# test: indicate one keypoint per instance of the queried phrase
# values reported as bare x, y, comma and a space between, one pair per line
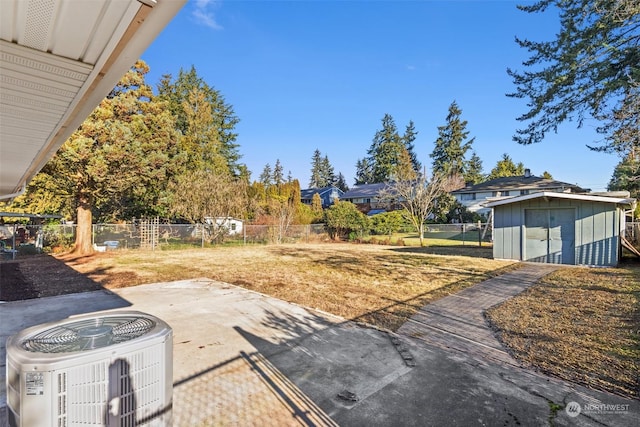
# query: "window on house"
233, 226
468, 196
524, 192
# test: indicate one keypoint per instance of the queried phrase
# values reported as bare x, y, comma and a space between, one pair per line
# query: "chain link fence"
463, 233
151, 235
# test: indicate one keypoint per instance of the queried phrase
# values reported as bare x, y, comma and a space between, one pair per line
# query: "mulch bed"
40, 276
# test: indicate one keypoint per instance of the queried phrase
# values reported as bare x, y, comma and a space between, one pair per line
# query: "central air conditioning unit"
102, 369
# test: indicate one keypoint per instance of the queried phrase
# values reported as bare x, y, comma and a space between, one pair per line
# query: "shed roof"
554, 195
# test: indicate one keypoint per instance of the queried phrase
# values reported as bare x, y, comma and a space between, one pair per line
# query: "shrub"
343, 219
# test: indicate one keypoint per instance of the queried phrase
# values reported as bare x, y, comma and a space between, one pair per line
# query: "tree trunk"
421, 231
84, 244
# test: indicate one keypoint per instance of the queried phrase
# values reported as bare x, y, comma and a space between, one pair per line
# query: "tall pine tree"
626, 176
266, 177
316, 170
386, 153
278, 173
119, 162
328, 173
452, 145
322, 172
408, 139
506, 167
188, 95
364, 171
385, 150
474, 173
341, 183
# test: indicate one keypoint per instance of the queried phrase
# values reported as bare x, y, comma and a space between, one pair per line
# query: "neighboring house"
366, 197
560, 228
230, 225
474, 197
328, 195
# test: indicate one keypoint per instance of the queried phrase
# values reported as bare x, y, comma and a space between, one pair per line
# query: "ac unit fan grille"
88, 334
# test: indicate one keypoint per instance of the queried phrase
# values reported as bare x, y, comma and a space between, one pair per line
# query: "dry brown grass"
580, 324
380, 285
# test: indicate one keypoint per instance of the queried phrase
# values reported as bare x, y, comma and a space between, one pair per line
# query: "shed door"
550, 235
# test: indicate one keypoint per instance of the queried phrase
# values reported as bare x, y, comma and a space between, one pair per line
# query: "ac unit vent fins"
88, 334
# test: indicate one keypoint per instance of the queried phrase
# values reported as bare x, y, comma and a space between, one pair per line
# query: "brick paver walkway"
457, 321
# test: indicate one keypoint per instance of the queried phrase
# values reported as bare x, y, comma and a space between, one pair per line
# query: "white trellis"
149, 233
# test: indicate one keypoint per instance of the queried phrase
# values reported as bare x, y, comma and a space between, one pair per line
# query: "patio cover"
58, 60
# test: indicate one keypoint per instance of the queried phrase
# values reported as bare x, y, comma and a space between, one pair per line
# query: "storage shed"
560, 228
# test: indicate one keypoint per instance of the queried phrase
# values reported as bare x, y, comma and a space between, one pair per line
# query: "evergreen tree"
506, 167
341, 183
316, 204
328, 174
408, 139
626, 176
474, 170
187, 96
622, 125
119, 162
316, 170
452, 145
546, 175
364, 171
588, 70
387, 153
405, 170
322, 172
43, 196
201, 143
266, 177
385, 150
278, 173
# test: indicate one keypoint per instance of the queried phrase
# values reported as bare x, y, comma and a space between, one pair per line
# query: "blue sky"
306, 75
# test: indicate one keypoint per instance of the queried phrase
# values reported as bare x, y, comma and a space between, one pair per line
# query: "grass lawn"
580, 324
434, 238
380, 285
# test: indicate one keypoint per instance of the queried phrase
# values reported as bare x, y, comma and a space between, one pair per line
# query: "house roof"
365, 190
629, 202
530, 182
309, 192
59, 60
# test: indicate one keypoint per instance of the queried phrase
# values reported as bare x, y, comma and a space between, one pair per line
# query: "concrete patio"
243, 358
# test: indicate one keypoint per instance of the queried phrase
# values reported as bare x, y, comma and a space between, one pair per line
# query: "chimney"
527, 173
